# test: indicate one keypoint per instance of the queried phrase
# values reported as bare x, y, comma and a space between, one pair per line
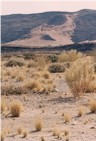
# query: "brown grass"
38, 124
56, 132
42, 138
19, 130
67, 118
66, 132
68, 56
3, 106
92, 106
80, 112
34, 85
2, 136
16, 108
80, 77
25, 133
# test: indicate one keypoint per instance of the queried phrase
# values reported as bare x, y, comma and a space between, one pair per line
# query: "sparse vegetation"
68, 56
67, 118
92, 106
2, 136
13, 63
80, 77
56, 68
38, 124
81, 111
66, 132
56, 132
16, 108
25, 133
42, 138
19, 130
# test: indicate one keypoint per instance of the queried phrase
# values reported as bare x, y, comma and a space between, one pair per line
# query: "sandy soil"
54, 105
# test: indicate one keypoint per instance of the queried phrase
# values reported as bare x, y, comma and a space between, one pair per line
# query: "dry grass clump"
38, 124
9, 89
71, 55
92, 106
25, 133
3, 106
42, 138
80, 112
16, 108
66, 132
34, 85
56, 132
28, 56
19, 130
67, 118
13, 63
80, 77
56, 68
2, 136
46, 75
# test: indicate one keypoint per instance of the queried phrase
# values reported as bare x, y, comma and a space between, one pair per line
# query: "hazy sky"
36, 6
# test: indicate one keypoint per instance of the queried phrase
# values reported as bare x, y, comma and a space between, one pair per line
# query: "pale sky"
38, 6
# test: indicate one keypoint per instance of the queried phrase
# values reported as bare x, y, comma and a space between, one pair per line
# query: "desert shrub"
81, 111
67, 118
11, 90
19, 130
68, 56
56, 68
92, 106
16, 108
94, 66
46, 75
3, 106
34, 85
25, 133
28, 56
42, 138
38, 124
13, 63
2, 136
56, 132
31, 65
53, 58
66, 132
80, 77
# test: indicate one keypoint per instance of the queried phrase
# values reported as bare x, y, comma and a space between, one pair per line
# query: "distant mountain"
49, 28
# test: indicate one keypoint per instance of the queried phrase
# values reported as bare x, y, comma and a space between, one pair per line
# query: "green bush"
53, 58
28, 56
13, 63
56, 68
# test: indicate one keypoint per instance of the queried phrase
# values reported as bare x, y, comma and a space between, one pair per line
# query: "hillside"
48, 29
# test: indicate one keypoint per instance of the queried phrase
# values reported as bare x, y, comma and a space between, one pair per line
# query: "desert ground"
48, 97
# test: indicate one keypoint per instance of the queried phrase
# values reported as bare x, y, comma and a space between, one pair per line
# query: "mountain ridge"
59, 28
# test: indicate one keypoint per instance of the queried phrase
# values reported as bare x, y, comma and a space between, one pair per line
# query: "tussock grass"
38, 124
67, 118
25, 133
3, 106
34, 85
92, 106
16, 108
19, 130
80, 112
42, 138
56, 132
66, 132
80, 77
68, 56
2, 136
